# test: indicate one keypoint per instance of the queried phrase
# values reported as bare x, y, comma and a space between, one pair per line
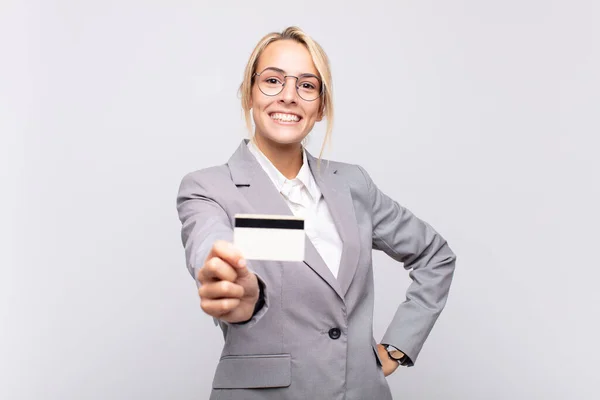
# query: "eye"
307, 86
273, 81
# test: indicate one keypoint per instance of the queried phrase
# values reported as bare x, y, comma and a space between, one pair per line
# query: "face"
285, 118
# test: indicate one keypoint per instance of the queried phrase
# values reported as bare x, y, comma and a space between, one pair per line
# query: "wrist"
260, 297
258, 301
396, 355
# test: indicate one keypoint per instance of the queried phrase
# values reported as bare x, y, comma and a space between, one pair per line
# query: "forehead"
290, 56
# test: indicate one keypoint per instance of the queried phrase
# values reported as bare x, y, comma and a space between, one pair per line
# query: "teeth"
285, 117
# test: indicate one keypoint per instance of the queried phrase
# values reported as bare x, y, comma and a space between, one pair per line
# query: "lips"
283, 117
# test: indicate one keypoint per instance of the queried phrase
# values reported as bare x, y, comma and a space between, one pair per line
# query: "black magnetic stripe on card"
269, 223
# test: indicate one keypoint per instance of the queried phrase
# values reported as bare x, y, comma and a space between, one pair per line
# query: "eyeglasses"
272, 80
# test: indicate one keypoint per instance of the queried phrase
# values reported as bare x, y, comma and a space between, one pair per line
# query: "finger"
228, 253
215, 269
233, 256
218, 307
221, 290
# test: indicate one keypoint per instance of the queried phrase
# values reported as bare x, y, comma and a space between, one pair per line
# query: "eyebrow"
284, 73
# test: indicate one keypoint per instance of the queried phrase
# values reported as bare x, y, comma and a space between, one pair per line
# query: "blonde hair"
320, 60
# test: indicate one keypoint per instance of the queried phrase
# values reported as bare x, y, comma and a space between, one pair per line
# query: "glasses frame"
285, 81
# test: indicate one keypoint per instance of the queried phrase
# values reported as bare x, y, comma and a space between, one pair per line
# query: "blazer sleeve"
204, 221
407, 239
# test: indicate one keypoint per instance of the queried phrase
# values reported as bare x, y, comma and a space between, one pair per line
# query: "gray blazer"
313, 338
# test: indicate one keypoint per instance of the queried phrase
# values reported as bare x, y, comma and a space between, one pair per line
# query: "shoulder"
352, 172
210, 179
354, 175
207, 175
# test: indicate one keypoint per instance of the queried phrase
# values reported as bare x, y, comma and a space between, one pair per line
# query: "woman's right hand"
228, 290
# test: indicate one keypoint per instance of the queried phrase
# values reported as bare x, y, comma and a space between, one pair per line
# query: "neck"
287, 158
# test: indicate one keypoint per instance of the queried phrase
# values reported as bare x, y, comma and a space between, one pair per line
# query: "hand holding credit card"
269, 237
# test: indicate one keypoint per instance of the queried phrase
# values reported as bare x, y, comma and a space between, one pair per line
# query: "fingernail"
242, 263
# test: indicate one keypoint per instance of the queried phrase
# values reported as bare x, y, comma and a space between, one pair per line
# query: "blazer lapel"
258, 189
339, 201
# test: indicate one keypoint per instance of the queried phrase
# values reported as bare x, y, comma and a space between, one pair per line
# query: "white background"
479, 116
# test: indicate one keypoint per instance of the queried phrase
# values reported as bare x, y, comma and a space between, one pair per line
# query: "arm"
409, 240
204, 222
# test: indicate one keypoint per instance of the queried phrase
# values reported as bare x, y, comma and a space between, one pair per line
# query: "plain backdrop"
479, 116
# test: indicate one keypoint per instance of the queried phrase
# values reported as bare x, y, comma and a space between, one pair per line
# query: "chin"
283, 136
285, 139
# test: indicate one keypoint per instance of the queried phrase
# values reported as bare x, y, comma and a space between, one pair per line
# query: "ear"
321, 113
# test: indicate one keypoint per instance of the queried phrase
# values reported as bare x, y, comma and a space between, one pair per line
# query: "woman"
304, 330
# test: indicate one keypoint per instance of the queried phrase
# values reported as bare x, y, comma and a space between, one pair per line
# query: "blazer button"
335, 333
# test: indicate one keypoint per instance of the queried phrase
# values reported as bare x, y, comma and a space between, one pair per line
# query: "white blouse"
305, 199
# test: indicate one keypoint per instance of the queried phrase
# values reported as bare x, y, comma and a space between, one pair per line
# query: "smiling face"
285, 118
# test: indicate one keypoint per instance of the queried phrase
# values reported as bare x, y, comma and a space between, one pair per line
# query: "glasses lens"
270, 82
309, 87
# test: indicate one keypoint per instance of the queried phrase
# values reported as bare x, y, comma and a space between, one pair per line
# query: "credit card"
269, 237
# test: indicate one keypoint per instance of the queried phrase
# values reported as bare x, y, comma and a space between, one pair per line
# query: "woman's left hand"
388, 365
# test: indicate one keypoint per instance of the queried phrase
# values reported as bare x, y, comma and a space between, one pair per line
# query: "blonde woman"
304, 330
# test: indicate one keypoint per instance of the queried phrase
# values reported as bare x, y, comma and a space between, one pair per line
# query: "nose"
289, 95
